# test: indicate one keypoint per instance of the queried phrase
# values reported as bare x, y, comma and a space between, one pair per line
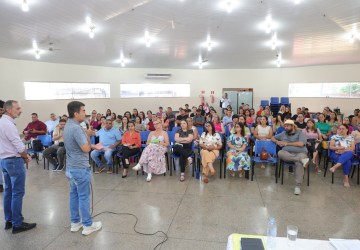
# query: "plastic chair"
225, 158
274, 100
284, 100
270, 147
264, 103
290, 164
46, 141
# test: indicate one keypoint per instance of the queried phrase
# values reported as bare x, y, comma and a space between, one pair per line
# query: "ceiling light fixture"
122, 60
25, 6
278, 60
91, 27
209, 43
268, 24
36, 50
228, 5
297, 1
148, 39
353, 35
274, 41
200, 62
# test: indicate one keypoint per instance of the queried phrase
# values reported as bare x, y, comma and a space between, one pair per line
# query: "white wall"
265, 82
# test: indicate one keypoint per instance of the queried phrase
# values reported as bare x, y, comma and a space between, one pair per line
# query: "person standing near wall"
225, 102
77, 146
12, 157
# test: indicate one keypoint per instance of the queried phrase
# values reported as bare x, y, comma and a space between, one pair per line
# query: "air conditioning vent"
157, 76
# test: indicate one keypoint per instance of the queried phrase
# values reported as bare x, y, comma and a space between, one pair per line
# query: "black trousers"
184, 153
127, 153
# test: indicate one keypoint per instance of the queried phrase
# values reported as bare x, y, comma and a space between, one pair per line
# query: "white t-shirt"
225, 102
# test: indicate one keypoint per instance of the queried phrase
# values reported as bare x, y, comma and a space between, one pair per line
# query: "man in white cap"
293, 149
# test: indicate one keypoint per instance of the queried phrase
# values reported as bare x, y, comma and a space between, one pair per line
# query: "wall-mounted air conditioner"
157, 76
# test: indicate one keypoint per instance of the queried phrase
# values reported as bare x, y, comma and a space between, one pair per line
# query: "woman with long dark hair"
210, 143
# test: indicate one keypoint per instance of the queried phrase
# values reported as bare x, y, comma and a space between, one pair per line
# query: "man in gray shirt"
77, 145
293, 143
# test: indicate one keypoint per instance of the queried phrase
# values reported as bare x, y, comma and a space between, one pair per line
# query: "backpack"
37, 145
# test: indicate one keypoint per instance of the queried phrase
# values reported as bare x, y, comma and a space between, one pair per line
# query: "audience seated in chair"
313, 140
52, 123
57, 148
153, 156
210, 143
183, 146
109, 139
237, 156
131, 144
33, 129
293, 149
342, 148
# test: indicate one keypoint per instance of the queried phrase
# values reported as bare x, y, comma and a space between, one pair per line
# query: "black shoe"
23, 227
8, 225
1, 188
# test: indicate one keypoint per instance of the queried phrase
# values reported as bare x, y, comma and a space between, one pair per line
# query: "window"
62, 90
333, 90
154, 90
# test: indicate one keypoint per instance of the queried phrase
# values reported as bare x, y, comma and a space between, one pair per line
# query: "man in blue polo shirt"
109, 138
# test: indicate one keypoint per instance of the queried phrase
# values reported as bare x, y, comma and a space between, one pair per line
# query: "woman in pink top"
313, 137
249, 119
219, 127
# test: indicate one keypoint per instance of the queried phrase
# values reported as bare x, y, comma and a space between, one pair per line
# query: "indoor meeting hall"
180, 124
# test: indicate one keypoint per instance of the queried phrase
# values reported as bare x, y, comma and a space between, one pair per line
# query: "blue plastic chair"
264, 103
284, 100
225, 158
271, 149
46, 141
274, 100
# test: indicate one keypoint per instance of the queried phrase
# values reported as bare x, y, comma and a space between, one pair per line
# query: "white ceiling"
311, 33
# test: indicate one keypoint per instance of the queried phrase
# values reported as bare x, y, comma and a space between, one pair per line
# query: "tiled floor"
193, 214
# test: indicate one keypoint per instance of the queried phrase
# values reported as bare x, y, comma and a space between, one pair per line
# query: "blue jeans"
79, 179
95, 155
14, 175
1, 175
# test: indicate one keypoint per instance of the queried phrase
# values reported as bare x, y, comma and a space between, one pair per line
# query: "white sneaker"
137, 167
76, 227
148, 178
297, 190
305, 162
93, 228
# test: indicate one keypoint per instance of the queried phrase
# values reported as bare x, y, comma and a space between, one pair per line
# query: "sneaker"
1, 188
8, 225
148, 178
305, 162
23, 227
137, 167
93, 228
76, 227
297, 190
55, 167
60, 168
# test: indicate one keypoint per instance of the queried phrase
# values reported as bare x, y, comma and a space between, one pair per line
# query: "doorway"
237, 96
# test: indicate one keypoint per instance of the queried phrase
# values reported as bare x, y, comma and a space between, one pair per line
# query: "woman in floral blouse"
237, 157
210, 143
342, 146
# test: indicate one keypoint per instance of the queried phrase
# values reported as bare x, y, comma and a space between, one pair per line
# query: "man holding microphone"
13, 155
78, 172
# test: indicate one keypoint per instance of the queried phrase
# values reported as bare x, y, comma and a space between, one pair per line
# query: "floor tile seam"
212, 241
262, 199
65, 229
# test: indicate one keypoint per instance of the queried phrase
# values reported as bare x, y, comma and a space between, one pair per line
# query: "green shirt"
324, 127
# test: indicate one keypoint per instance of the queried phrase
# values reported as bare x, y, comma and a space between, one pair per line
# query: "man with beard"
293, 149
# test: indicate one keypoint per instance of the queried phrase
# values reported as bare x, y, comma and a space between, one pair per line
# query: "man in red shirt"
34, 128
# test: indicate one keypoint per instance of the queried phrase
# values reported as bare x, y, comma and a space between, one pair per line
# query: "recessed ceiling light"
25, 6
90, 27
228, 5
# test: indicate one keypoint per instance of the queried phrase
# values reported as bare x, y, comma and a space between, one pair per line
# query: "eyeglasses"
156, 123
237, 127
341, 128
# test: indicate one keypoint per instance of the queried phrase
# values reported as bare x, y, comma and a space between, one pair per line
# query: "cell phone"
251, 244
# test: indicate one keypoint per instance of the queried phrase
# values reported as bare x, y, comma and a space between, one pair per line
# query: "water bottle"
271, 233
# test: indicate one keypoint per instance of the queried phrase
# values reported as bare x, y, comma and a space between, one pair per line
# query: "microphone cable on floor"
129, 214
